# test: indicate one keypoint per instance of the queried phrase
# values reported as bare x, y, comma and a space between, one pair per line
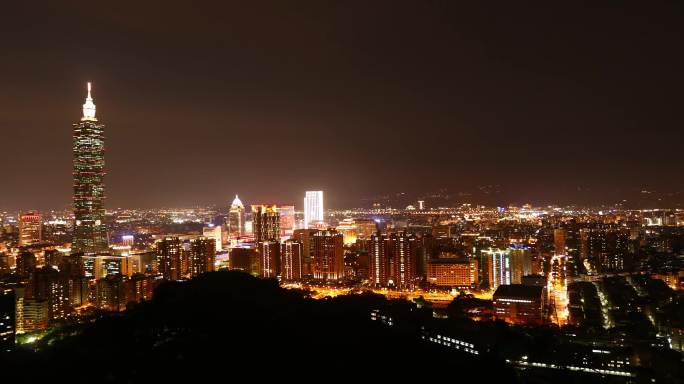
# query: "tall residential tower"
90, 234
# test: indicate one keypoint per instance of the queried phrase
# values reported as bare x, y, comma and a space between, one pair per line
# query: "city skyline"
486, 192
437, 92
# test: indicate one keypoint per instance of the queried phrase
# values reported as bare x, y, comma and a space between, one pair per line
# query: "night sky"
574, 103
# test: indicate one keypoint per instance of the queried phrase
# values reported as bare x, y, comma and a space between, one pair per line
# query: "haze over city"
318, 191
570, 103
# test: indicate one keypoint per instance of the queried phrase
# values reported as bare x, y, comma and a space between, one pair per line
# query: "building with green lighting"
90, 233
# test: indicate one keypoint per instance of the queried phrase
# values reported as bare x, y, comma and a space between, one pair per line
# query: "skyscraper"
90, 235
236, 219
265, 223
313, 208
30, 228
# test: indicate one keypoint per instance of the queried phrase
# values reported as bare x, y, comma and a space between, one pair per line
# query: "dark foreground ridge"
230, 325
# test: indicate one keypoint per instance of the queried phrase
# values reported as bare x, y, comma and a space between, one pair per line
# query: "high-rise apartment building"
169, 258
90, 234
291, 260
202, 255
328, 257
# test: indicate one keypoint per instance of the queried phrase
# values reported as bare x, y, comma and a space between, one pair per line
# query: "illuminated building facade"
169, 258
236, 219
31, 314
30, 228
291, 260
269, 259
519, 304
90, 234
287, 220
521, 262
379, 260
313, 209
403, 253
202, 255
214, 232
328, 258
498, 267
305, 236
265, 223
454, 273
559, 236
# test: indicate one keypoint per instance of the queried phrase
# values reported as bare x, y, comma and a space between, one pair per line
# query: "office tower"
90, 234
236, 219
519, 304
265, 223
202, 256
305, 236
169, 258
106, 265
379, 260
7, 320
313, 209
328, 257
453, 273
287, 220
291, 259
403, 253
30, 228
268, 258
26, 263
559, 235
521, 262
498, 267
214, 232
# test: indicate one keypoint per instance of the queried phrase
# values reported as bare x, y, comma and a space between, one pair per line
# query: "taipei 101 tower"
90, 234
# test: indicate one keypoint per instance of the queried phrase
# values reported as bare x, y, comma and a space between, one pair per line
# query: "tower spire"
89, 107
